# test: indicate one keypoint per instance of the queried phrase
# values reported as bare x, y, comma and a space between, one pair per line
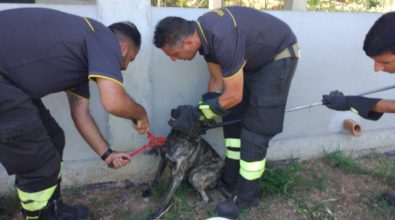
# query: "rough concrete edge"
280, 151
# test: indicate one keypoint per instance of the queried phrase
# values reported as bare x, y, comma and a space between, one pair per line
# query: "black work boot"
57, 210
389, 197
66, 212
231, 208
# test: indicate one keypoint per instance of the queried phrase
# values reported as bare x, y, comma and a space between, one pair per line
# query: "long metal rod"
320, 103
305, 106
225, 123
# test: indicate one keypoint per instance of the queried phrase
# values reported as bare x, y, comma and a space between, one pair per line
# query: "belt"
292, 51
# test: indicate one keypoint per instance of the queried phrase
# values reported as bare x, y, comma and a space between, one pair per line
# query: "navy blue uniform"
264, 47
238, 37
45, 51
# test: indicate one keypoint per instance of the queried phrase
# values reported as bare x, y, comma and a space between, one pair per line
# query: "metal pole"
305, 106
320, 103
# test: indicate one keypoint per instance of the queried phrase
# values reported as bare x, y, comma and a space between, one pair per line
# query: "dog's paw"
153, 217
147, 195
204, 197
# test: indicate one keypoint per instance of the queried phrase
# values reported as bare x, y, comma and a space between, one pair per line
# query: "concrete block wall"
332, 58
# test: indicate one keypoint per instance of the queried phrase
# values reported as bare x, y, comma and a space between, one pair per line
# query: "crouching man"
46, 51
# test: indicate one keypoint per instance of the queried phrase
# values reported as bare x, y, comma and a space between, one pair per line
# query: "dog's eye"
175, 113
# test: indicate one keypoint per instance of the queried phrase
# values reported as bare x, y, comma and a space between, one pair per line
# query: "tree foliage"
312, 5
351, 5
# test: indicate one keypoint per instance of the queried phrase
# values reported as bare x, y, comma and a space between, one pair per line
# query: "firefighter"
252, 57
45, 51
379, 45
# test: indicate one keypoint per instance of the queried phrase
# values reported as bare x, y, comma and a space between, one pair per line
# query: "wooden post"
213, 4
295, 5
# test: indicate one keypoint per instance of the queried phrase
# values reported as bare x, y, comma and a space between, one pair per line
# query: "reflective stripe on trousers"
35, 201
252, 170
232, 148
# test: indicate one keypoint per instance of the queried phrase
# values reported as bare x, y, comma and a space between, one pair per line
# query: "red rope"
152, 142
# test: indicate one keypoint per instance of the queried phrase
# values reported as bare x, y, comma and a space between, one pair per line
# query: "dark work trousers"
31, 142
262, 110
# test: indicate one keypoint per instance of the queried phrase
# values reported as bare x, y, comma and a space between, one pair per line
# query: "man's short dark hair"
127, 30
171, 31
381, 36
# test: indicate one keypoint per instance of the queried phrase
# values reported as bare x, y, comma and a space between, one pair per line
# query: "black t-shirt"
45, 51
240, 37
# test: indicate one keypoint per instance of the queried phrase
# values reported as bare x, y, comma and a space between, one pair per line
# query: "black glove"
210, 108
206, 99
185, 119
209, 95
336, 100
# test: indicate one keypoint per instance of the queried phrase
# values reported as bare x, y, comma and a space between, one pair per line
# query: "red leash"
152, 142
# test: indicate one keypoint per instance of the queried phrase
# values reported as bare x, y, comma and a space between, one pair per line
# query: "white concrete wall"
332, 58
82, 165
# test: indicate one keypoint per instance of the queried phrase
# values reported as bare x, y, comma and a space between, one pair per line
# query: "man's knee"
58, 139
253, 146
265, 115
29, 153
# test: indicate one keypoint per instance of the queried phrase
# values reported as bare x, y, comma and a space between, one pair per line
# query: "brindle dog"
187, 154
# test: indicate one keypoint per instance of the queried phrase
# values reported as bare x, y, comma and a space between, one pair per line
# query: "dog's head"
181, 118
184, 122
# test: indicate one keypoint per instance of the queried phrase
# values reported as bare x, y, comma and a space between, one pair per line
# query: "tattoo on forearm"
75, 100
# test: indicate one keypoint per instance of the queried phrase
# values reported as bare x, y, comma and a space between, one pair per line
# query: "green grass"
344, 162
9, 205
284, 180
281, 180
125, 215
289, 183
182, 203
376, 205
314, 210
308, 190
386, 171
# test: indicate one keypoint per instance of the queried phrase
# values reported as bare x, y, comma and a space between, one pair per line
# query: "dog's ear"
175, 113
181, 109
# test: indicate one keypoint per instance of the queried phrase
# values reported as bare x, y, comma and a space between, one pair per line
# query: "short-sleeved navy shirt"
45, 51
240, 37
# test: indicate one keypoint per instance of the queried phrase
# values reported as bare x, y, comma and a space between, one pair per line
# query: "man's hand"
141, 126
209, 108
117, 159
360, 105
336, 101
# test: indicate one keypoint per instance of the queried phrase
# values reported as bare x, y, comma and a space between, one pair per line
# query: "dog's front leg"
177, 177
161, 167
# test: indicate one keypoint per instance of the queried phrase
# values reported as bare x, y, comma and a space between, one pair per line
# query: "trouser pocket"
265, 116
28, 152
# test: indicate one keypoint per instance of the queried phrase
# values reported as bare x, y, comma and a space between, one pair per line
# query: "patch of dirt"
324, 193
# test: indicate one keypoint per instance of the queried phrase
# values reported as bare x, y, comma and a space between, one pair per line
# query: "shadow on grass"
9, 206
377, 205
